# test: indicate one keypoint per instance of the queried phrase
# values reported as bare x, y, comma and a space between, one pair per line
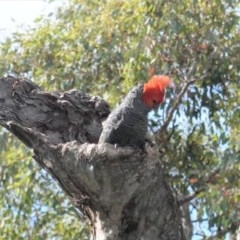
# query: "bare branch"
175, 105
222, 232
188, 79
189, 197
210, 178
123, 193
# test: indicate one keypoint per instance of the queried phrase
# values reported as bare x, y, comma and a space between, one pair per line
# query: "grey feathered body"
127, 124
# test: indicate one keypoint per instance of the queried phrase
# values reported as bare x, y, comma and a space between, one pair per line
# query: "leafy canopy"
106, 47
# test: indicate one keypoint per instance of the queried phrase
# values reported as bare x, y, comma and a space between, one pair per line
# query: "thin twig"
175, 105
207, 180
185, 75
189, 197
220, 233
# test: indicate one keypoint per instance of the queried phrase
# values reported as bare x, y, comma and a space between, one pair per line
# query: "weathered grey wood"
122, 192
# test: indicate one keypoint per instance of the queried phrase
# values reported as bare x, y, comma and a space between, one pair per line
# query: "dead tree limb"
122, 193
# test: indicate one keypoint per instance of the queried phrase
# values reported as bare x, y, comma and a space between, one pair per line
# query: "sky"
14, 13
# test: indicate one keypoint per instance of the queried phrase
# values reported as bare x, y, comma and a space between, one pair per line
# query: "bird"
127, 124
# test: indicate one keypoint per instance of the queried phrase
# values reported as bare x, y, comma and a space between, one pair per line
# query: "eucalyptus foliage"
106, 47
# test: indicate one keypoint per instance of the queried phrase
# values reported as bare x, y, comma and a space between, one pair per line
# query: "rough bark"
122, 192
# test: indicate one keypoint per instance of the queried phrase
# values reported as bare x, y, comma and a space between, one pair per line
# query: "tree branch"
175, 105
188, 79
222, 232
122, 193
189, 197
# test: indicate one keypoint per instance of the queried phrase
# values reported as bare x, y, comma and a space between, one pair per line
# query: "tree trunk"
122, 192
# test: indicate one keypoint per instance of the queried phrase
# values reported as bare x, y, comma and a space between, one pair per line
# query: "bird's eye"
154, 101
